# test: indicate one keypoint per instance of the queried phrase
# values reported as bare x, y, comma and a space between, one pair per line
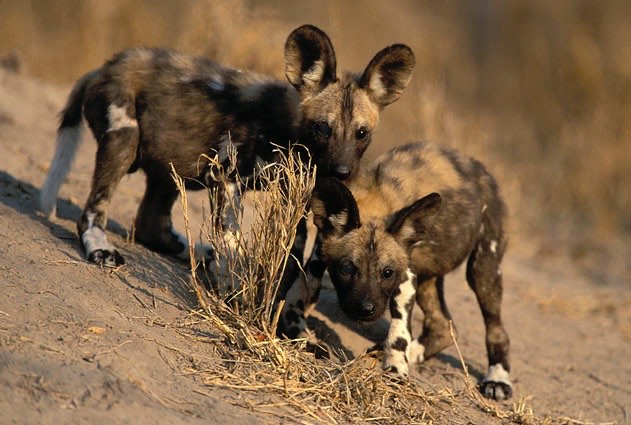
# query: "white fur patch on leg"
68, 141
94, 239
417, 352
118, 118
497, 373
97, 248
232, 210
397, 344
497, 385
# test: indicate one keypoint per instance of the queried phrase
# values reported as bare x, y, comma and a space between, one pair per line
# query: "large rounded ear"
410, 224
334, 209
309, 59
388, 74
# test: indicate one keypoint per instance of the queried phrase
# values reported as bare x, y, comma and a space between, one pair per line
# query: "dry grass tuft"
246, 269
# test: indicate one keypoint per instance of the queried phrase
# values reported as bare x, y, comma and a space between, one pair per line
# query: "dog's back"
185, 105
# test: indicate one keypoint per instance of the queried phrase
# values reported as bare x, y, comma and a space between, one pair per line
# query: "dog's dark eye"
347, 267
323, 129
361, 133
387, 273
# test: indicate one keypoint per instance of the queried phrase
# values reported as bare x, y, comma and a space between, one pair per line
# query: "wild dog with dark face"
389, 238
149, 108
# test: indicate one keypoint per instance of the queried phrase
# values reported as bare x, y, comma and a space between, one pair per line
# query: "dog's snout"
366, 308
342, 172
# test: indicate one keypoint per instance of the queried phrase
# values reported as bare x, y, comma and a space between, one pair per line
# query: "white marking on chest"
118, 118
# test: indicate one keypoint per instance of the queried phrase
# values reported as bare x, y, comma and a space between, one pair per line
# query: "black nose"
342, 172
366, 308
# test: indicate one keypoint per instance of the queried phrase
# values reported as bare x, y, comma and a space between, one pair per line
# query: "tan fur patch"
182, 62
396, 179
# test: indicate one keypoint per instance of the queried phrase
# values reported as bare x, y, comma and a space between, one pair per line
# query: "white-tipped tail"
68, 141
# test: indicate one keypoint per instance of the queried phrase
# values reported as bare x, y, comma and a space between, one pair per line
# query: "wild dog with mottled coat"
149, 108
388, 239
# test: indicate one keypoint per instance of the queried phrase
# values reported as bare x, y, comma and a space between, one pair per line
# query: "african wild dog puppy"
416, 214
148, 108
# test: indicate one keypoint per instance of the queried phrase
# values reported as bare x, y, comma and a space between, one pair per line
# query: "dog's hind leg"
114, 157
153, 226
485, 278
436, 335
295, 261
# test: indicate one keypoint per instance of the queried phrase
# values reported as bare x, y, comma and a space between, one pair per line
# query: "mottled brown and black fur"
150, 108
389, 238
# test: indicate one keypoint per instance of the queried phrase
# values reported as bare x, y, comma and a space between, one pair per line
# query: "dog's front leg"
231, 214
397, 344
302, 296
225, 254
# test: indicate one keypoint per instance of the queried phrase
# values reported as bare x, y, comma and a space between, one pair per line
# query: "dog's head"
339, 115
367, 261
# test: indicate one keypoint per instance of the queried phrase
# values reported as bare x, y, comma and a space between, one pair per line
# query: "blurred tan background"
539, 90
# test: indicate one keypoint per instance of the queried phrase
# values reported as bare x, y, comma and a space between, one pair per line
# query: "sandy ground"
82, 345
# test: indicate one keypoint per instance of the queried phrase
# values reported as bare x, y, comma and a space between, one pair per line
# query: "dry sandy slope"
82, 345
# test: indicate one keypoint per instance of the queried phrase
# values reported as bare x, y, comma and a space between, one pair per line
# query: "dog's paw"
98, 250
496, 390
396, 367
106, 257
496, 385
396, 373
